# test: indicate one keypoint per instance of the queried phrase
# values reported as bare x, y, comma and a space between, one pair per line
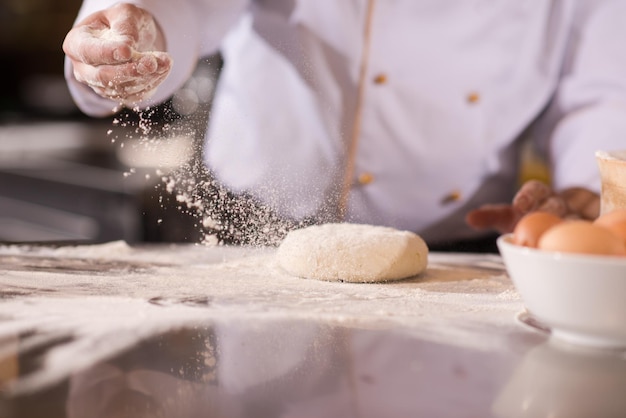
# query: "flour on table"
353, 253
90, 302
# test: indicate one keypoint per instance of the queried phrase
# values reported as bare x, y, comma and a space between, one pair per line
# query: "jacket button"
365, 178
380, 79
453, 196
473, 98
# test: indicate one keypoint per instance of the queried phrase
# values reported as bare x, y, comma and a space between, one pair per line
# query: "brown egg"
582, 237
615, 221
530, 228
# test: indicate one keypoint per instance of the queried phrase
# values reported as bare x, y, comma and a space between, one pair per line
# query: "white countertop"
103, 300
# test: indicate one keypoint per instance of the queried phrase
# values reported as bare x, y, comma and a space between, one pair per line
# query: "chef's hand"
118, 52
574, 203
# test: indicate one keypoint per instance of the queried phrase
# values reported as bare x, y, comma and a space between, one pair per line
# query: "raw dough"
352, 253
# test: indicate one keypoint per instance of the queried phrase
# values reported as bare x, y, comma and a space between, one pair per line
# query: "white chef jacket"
447, 89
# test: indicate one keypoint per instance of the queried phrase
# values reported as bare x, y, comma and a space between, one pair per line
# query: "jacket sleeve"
192, 29
588, 111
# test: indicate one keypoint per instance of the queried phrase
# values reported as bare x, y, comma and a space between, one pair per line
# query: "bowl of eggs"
571, 275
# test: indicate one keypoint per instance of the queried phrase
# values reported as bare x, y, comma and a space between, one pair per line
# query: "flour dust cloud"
166, 149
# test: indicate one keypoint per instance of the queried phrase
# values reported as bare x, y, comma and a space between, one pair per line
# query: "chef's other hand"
118, 52
574, 203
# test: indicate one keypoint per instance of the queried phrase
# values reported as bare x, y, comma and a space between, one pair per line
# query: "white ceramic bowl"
581, 298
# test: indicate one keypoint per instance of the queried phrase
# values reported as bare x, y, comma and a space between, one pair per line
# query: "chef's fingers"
130, 94
134, 96
499, 217
130, 89
135, 23
581, 202
82, 45
147, 68
554, 205
531, 196
112, 35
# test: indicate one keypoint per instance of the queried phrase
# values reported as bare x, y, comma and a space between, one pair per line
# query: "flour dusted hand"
118, 52
352, 253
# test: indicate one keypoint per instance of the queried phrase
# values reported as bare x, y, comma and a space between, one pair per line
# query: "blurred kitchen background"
67, 177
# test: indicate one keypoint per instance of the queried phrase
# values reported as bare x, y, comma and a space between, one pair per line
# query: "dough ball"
352, 253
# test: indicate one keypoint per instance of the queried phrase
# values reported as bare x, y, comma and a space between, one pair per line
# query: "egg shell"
583, 237
531, 226
615, 221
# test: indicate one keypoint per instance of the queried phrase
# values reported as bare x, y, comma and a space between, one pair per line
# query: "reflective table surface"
113, 330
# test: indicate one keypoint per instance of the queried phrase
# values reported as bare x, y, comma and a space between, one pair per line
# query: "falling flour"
219, 215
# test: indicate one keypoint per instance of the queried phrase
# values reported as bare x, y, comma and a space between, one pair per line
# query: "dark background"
31, 36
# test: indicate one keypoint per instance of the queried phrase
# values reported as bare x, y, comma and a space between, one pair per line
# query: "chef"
406, 113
